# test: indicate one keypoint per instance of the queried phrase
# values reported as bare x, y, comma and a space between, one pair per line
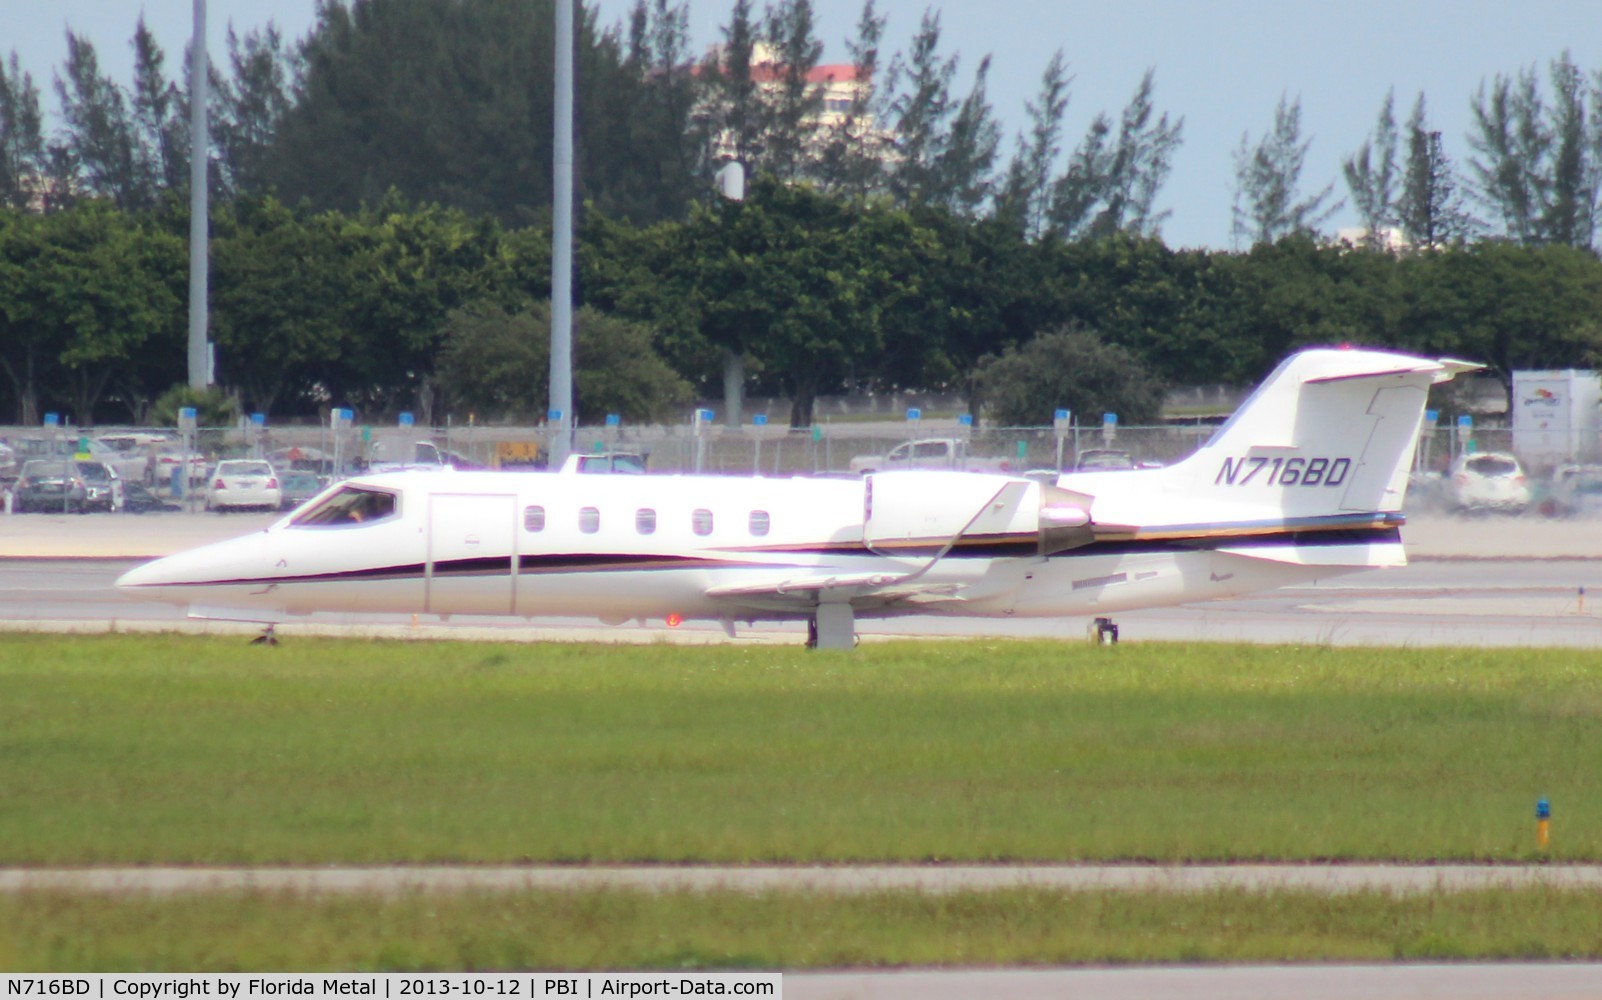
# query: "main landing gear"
1103, 632
268, 637
832, 626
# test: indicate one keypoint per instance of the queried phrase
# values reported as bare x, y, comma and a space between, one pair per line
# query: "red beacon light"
674, 620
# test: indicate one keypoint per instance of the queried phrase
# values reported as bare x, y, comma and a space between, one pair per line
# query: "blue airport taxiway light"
965, 419
759, 420
914, 413
613, 420
52, 419
1543, 809
406, 419
1543, 823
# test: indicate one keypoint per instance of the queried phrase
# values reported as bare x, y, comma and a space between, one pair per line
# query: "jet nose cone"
140, 576
224, 564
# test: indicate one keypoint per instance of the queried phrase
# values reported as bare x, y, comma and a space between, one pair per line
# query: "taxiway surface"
1489, 582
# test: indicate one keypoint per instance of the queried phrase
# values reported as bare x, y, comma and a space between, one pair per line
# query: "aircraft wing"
877, 587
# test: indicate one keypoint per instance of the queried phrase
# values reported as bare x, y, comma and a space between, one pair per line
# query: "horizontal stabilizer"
1375, 554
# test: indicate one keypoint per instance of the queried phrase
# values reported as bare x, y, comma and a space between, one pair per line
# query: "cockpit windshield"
350, 505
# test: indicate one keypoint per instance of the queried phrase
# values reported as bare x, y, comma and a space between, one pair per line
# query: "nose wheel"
1103, 632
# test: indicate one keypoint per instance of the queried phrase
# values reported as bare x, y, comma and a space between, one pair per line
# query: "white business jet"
1305, 481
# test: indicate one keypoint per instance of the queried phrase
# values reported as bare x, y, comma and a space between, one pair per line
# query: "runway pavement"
832, 879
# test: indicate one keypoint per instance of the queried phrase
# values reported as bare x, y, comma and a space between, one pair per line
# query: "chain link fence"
151, 454
764, 450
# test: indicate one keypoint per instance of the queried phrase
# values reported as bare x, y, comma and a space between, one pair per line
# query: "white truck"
929, 453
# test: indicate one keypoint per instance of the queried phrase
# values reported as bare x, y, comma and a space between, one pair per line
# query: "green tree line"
402, 307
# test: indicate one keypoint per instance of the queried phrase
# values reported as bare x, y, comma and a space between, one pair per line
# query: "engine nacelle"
921, 512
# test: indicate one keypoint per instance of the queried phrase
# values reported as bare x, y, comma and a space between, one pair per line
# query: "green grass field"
631, 930
189, 750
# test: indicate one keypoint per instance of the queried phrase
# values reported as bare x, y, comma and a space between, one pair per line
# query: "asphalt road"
1504, 602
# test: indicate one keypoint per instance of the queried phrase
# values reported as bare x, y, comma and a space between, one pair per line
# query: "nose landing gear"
1103, 632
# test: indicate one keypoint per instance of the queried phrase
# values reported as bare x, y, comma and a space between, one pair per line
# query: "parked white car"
242, 483
1576, 492
1490, 480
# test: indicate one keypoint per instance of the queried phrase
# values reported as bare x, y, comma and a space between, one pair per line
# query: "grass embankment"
630, 930
188, 750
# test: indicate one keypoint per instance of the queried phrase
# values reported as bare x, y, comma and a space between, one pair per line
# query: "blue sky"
1221, 64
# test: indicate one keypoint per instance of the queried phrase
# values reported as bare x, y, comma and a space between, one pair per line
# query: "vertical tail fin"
1330, 431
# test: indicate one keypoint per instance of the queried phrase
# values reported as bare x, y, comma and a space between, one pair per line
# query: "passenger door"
472, 554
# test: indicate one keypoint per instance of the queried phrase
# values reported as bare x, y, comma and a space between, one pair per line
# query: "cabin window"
645, 521
349, 505
759, 522
589, 520
701, 521
533, 518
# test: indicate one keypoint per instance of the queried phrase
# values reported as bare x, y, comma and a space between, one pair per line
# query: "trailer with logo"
1557, 416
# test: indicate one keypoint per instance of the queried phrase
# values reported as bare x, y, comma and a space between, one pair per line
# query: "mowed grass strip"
191, 750
635, 930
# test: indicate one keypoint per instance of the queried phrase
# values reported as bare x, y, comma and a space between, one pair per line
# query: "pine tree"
853, 155
740, 104
792, 111
1539, 168
1026, 194
1430, 208
99, 134
1111, 185
1371, 175
251, 104
1267, 176
921, 114
966, 165
160, 145
23, 162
